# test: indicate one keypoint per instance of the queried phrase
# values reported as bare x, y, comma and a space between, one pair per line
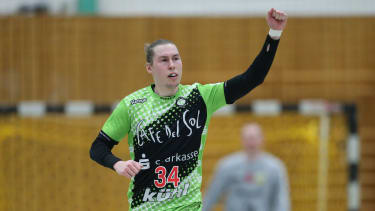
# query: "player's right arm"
101, 152
114, 129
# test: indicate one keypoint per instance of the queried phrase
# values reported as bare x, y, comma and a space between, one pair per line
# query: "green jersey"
166, 135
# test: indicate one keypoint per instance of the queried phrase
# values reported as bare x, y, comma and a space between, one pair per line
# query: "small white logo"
135, 101
181, 101
145, 163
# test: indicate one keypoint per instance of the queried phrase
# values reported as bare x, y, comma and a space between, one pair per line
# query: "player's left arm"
242, 84
281, 198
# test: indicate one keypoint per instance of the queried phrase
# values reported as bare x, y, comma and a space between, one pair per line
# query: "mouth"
172, 75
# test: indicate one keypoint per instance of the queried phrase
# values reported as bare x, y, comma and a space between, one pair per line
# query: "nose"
171, 65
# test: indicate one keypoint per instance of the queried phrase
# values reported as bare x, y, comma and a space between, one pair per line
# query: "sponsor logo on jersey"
178, 157
165, 194
136, 101
189, 121
181, 102
145, 163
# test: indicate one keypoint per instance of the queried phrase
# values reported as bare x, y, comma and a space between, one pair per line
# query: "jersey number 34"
163, 180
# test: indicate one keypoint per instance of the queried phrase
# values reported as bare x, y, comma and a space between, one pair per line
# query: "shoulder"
186, 87
186, 90
209, 85
208, 89
203, 88
139, 96
232, 160
273, 162
190, 86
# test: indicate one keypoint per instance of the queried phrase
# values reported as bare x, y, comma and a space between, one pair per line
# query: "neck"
253, 155
165, 91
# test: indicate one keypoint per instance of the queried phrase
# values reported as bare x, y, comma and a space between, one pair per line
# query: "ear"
148, 68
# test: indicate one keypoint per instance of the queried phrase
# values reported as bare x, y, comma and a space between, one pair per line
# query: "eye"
176, 58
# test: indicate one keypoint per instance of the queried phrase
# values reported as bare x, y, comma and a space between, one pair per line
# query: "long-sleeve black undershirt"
242, 84
100, 150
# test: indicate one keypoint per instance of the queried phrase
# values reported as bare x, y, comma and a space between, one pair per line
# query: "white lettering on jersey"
178, 157
191, 122
165, 194
173, 134
141, 133
151, 135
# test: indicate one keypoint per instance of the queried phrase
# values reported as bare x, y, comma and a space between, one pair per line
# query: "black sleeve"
100, 150
240, 85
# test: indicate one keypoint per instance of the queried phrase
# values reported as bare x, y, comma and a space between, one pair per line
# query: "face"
166, 68
252, 138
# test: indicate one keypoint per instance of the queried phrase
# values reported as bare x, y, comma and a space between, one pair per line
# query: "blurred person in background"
250, 180
166, 124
